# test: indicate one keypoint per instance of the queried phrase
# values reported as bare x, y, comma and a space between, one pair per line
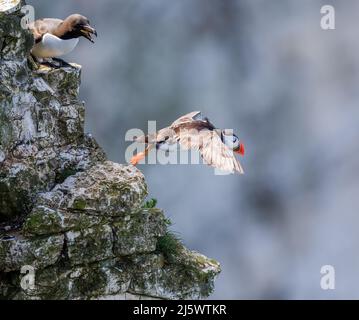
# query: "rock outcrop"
78, 220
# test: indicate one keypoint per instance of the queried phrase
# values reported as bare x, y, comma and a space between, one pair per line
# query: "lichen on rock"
78, 219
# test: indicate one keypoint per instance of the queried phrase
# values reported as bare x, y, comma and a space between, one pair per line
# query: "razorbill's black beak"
87, 32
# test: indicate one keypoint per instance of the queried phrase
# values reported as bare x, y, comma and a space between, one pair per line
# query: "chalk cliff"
80, 221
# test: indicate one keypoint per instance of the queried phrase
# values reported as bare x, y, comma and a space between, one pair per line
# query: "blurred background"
287, 87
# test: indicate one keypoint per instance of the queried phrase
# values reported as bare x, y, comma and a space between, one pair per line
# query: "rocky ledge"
79, 221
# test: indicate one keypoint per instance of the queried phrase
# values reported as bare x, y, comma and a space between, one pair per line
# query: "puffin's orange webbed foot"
137, 158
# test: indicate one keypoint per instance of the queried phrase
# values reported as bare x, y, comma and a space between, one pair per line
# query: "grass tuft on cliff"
170, 246
150, 204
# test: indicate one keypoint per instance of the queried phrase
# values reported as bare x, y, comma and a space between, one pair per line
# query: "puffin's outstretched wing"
43, 26
190, 117
167, 133
213, 151
216, 154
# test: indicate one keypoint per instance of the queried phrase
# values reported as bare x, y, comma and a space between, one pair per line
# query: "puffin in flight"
192, 131
55, 38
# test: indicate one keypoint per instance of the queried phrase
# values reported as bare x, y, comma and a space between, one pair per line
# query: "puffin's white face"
232, 141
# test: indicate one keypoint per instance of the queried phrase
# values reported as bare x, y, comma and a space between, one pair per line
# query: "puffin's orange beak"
241, 150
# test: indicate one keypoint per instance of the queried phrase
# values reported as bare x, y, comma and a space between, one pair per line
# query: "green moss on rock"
79, 204
94, 244
39, 253
138, 232
191, 276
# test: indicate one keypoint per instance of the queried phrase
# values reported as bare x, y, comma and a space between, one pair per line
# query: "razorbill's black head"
75, 26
